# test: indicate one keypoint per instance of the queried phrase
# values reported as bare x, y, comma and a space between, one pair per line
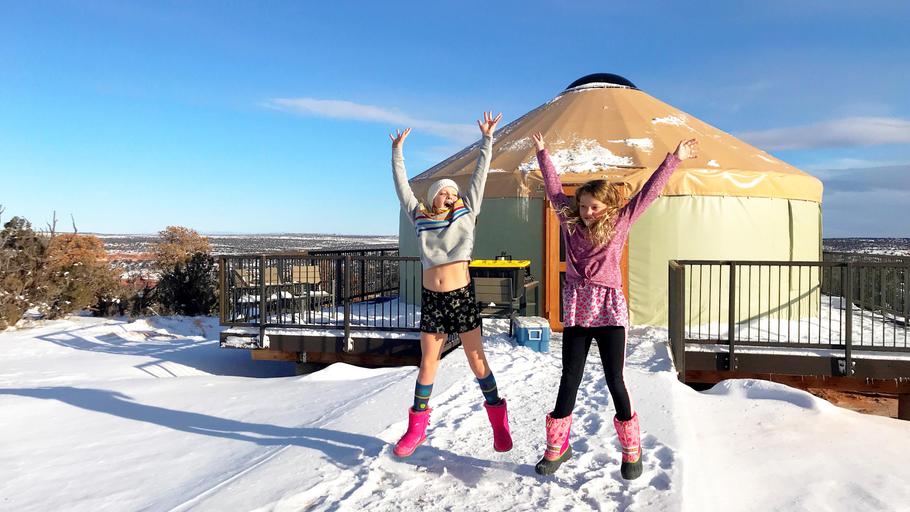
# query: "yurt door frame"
555, 264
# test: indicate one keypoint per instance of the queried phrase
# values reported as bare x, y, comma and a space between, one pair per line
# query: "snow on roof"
584, 156
671, 120
645, 143
517, 145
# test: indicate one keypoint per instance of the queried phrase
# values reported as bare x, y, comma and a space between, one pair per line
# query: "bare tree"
52, 226
75, 229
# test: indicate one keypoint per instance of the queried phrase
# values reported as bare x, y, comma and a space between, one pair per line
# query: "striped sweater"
449, 236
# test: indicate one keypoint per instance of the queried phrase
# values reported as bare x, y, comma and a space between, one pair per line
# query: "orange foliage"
68, 249
177, 244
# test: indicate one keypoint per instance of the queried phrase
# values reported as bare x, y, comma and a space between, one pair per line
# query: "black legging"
576, 341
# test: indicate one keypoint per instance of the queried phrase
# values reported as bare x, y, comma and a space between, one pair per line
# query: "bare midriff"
447, 277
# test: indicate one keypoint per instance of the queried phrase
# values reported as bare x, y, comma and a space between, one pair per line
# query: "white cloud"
340, 109
838, 164
848, 181
866, 201
845, 132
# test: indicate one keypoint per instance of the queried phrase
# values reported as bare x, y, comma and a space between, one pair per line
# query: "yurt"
734, 202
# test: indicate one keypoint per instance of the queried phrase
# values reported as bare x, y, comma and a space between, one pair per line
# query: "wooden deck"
327, 346
845, 329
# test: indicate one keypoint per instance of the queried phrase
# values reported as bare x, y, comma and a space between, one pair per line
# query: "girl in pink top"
595, 229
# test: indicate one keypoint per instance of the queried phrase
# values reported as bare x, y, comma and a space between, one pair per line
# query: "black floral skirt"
452, 312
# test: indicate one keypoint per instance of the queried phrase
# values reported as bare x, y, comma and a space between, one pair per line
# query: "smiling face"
590, 209
597, 205
445, 199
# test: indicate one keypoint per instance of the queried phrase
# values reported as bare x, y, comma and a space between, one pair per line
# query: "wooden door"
554, 267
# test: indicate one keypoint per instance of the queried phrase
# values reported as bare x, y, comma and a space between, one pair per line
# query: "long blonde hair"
602, 230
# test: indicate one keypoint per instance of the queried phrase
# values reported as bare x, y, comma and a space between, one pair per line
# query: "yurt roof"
604, 127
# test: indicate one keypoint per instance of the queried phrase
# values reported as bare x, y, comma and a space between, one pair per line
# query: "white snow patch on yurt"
517, 145
583, 156
644, 143
671, 120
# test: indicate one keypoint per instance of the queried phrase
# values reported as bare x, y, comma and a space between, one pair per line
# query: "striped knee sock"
422, 396
489, 390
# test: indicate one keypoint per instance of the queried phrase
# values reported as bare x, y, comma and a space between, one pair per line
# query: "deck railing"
831, 305
320, 291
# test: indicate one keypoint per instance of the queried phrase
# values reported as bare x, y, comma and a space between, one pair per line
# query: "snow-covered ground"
101, 414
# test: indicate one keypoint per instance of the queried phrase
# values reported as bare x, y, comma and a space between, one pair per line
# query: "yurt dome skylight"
595, 80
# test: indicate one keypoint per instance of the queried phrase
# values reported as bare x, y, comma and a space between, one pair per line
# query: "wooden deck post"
903, 406
731, 318
676, 320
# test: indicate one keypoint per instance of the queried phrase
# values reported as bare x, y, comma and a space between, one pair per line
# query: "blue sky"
272, 116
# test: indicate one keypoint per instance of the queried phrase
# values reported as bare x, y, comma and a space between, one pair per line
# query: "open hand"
489, 123
687, 149
398, 138
538, 140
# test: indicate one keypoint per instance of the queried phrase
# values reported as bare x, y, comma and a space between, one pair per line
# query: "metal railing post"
347, 300
262, 300
363, 270
848, 320
731, 321
339, 280
222, 284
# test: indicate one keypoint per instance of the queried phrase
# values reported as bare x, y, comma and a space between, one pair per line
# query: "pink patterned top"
588, 265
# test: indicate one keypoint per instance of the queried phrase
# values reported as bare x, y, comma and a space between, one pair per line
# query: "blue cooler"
532, 332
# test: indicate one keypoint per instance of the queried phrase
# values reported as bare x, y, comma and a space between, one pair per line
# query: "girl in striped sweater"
445, 239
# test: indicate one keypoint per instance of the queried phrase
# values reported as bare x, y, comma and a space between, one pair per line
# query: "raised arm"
473, 196
551, 181
399, 174
654, 186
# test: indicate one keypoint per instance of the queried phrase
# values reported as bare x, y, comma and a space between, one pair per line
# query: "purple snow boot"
558, 449
499, 420
630, 439
416, 434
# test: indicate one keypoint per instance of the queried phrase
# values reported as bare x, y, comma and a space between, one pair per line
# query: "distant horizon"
346, 235
396, 236
239, 233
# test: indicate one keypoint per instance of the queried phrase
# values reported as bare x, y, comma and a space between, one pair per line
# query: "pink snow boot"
499, 420
416, 434
630, 439
558, 449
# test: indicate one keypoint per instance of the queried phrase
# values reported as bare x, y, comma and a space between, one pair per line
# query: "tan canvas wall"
713, 228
